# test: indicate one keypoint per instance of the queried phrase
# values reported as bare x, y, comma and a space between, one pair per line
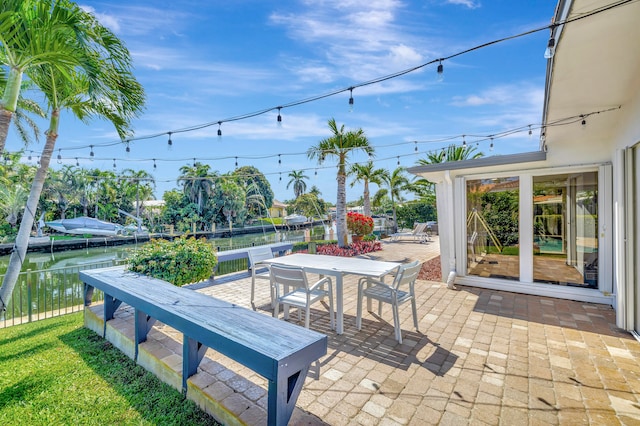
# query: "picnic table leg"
339, 305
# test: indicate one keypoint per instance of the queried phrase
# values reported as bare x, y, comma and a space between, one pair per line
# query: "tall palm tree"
198, 183
396, 182
366, 173
104, 87
339, 146
24, 125
297, 179
37, 32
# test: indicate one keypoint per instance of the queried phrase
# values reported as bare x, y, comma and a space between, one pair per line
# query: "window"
492, 228
565, 224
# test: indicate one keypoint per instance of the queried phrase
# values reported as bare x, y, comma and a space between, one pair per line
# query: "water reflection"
40, 261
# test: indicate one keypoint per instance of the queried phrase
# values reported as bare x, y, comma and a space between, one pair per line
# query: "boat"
85, 225
295, 219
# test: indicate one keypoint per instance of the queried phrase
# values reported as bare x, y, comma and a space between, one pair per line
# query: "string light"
464, 142
219, 129
114, 163
128, 148
440, 71
91, 154
154, 164
551, 48
279, 117
77, 162
416, 147
169, 142
530, 132
584, 120
280, 177
491, 145
29, 157
236, 162
350, 99
194, 162
279, 160
398, 160
59, 156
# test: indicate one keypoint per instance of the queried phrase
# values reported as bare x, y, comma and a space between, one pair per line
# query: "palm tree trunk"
9, 103
5, 121
28, 218
367, 202
341, 210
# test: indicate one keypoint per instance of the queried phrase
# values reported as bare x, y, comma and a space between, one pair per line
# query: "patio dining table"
337, 267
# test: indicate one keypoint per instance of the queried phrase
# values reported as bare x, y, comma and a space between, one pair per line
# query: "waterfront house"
562, 221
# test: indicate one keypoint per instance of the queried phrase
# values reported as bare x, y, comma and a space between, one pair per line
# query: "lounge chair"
418, 233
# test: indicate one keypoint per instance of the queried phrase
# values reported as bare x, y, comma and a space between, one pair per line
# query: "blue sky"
207, 61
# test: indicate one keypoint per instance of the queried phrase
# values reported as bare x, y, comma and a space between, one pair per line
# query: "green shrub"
181, 261
369, 237
303, 245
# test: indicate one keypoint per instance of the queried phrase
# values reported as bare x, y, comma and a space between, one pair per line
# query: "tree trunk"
367, 202
22, 239
5, 121
341, 210
8, 103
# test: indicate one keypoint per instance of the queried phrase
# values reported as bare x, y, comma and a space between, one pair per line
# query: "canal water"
44, 261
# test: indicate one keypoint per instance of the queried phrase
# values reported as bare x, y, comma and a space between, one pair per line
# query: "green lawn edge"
55, 371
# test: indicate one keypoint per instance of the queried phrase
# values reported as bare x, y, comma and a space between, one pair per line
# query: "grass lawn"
57, 372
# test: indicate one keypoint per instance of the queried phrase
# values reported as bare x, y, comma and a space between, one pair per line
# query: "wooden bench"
279, 351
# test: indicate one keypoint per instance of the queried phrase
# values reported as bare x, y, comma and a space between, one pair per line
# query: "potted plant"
359, 225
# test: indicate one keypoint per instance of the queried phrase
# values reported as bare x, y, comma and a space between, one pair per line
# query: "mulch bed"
431, 270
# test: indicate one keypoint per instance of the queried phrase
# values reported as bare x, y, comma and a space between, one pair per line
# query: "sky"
201, 62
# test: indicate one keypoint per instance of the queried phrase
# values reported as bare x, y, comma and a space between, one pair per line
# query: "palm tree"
26, 128
297, 179
340, 145
12, 199
198, 183
452, 153
396, 182
366, 173
104, 87
38, 32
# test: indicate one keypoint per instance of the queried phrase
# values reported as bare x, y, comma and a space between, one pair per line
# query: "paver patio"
480, 357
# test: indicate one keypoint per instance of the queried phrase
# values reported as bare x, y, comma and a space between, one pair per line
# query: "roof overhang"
433, 172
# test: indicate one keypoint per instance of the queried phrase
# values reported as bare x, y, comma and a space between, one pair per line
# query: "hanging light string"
350, 89
477, 138
315, 168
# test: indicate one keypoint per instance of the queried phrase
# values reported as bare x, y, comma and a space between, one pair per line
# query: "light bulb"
440, 70
551, 49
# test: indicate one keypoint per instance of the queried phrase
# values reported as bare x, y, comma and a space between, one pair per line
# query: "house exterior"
562, 221
277, 209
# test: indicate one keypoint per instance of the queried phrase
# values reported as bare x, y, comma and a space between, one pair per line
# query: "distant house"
563, 221
278, 209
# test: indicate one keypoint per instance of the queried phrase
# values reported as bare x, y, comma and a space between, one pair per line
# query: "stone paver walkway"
480, 357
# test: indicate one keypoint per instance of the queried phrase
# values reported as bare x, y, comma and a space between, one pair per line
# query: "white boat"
295, 219
85, 225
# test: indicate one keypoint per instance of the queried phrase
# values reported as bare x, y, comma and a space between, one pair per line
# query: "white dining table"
337, 267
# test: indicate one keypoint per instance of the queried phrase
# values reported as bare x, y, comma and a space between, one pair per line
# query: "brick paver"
480, 357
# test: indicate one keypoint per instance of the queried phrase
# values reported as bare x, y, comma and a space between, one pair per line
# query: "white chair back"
407, 274
289, 276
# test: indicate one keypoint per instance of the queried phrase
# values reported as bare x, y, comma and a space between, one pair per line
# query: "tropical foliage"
366, 173
339, 146
297, 180
181, 261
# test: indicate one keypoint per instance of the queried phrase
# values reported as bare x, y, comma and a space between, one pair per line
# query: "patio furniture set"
421, 232
290, 286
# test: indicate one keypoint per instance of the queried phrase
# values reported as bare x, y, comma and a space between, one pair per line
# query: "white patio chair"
297, 291
401, 290
417, 232
256, 256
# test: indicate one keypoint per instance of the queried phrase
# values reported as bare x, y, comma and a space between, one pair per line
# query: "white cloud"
502, 95
471, 4
357, 39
